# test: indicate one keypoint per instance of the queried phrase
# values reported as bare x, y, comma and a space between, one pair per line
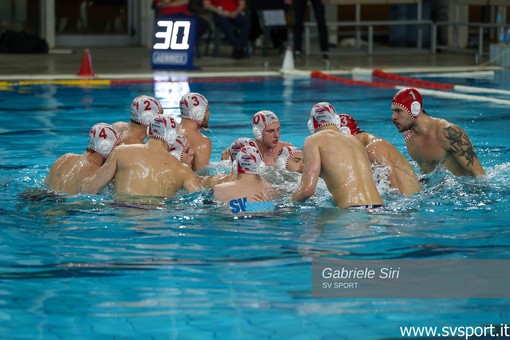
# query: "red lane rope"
412, 81
322, 75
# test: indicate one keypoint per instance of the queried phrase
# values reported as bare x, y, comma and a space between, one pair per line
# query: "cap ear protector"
415, 108
146, 117
310, 126
257, 133
281, 163
345, 130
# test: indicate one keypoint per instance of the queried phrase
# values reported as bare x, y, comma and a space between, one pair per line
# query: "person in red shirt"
230, 16
180, 9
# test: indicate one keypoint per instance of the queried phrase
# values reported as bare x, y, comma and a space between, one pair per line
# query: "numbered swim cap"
260, 121
322, 114
102, 139
179, 147
249, 161
144, 108
283, 157
346, 121
409, 99
193, 106
236, 146
165, 128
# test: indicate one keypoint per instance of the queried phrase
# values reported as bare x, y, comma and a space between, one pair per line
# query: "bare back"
143, 170
68, 172
343, 163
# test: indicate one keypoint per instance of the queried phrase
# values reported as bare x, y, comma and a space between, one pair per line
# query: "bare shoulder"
205, 139
120, 126
449, 131
312, 139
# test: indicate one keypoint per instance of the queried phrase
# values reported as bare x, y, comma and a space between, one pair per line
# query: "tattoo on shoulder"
460, 144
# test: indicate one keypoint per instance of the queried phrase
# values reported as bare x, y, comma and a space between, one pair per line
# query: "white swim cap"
164, 127
237, 144
102, 139
284, 156
322, 114
260, 122
178, 147
194, 106
144, 108
249, 161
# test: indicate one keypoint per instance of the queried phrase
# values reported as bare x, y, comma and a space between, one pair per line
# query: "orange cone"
86, 65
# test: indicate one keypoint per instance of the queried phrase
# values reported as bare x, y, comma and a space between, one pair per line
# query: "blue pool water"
84, 267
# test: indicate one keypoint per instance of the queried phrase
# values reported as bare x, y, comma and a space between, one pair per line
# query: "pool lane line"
440, 94
322, 75
436, 85
413, 81
460, 96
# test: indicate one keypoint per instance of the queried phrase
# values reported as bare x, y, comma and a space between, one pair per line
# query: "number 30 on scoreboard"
174, 41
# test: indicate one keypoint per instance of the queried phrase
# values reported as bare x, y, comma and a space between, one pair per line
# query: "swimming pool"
85, 267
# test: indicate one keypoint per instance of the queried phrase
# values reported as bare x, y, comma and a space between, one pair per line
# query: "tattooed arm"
458, 145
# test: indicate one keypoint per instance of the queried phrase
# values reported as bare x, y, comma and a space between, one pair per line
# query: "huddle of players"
337, 151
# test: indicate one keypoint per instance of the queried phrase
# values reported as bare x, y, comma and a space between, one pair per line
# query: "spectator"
180, 9
231, 17
299, 8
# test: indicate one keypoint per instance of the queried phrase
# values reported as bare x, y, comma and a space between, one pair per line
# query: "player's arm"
103, 176
311, 172
191, 182
457, 143
202, 155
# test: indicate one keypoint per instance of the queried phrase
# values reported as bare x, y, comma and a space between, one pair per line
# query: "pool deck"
134, 62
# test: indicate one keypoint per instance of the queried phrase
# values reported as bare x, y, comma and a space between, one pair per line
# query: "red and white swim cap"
346, 121
239, 143
260, 121
284, 156
102, 139
144, 108
409, 99
193, 106
249, 161
323, 114
178, 147
165, 128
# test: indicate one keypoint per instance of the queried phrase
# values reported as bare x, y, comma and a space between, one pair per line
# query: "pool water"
87, 267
